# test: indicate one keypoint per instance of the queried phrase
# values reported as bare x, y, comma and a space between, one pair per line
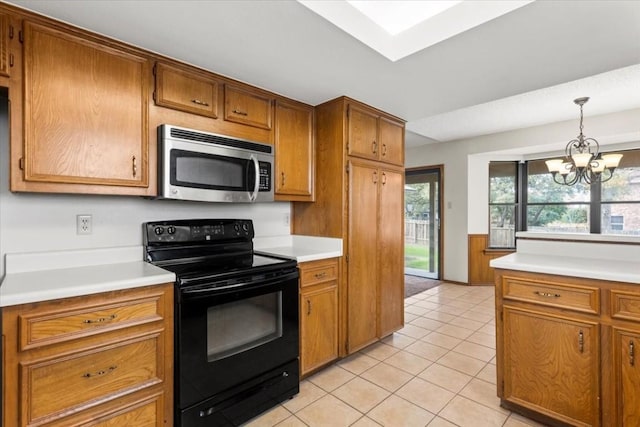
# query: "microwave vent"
220, 140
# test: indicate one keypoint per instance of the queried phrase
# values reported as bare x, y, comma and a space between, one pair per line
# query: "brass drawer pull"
631, 353
321, 275
384, 150
283, 179
239, 112
374, 147
101, 319
308, 307
581, 342
384, 178
375, 177
100, 373
135, 166
547, 294
197, 101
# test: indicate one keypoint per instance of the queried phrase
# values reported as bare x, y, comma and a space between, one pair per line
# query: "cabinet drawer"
48, 327
247, 108
312, 273
63, 386
578, 298
625, 305
185, 91
147, 413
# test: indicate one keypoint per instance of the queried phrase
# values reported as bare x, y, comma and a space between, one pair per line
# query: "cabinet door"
627, 376
294, 152
85, 111
318, 326
186, 91
391, 137
4, 45
391, 249
247, 108
551, 365
363, 255
363, 133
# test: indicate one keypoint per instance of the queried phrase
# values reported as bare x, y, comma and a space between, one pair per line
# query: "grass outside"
416, 256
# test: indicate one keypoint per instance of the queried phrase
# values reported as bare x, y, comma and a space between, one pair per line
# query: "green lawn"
416, 256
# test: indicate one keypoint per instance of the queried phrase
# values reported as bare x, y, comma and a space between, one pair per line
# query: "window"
503, 203
610, 207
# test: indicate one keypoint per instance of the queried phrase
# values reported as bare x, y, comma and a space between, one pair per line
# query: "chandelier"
583, 161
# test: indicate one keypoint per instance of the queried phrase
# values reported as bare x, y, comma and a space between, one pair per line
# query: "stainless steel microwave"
202, 166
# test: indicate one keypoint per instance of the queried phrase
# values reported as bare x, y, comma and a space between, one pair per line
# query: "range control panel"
197, 231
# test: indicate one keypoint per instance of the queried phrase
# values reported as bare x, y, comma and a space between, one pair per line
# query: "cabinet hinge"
346, 258
501, 316
154, 96
11, 60
155, 69
21, 163
21, 36
502, 386
346, 168
11, 32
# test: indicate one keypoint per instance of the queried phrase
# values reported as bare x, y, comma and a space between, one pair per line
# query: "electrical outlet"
83, 224
287, 219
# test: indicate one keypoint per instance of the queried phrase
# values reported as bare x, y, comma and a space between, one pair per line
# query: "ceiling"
521, 69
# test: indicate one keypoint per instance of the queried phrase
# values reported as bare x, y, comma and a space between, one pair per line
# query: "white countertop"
603, 261
298, 247
42, 276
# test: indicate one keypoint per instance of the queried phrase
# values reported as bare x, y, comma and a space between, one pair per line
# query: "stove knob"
236, 227
245, 226
158, 231
171, 229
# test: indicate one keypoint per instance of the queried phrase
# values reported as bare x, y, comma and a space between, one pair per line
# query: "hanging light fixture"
583, 161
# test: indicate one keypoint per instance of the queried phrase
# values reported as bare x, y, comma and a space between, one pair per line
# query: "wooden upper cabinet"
247, 107
374, 136
294, 151
391, 136
185, 91
85, 113
5, 55
363, 135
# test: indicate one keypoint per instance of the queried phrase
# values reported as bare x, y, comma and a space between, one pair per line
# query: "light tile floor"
438, 371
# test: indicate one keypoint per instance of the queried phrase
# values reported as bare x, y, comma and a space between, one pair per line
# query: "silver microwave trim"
166, 143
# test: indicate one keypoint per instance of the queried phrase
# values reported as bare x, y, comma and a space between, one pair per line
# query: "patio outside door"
422, 222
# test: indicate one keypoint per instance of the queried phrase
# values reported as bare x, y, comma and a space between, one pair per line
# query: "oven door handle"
203, 291
256, 186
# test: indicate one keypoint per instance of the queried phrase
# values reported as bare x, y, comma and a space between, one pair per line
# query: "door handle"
308, 307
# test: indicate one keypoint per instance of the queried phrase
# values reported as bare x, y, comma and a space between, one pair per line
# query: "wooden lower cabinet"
551, 365
99, 360
566, 349
318, 314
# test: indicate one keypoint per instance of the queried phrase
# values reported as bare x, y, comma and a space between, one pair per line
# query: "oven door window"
210, 171
239, 326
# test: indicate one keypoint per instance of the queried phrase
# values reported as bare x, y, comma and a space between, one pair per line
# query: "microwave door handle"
256, 186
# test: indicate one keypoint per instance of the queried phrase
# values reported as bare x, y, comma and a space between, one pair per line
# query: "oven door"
232, 334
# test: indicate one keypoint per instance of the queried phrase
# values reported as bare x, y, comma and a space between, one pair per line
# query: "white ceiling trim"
455, 20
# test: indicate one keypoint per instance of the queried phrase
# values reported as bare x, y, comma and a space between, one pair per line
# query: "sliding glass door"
422, 222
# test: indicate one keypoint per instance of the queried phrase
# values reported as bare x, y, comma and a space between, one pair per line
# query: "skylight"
396, 29
400, 15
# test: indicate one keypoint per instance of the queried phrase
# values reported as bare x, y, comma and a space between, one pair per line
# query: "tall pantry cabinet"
360, 198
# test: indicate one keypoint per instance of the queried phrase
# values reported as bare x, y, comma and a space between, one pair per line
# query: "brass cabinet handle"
308, 307
135, 166
100, 373
101, 319
320, 275
384, 178
547, 294
631, 353
384, 149
283, 179
375, 177
197, 101
374, 147
239, 112
581, 342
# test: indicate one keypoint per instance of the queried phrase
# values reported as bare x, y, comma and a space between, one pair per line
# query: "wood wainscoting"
479, 256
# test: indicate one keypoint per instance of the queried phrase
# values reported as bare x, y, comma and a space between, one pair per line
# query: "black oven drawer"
246, 401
